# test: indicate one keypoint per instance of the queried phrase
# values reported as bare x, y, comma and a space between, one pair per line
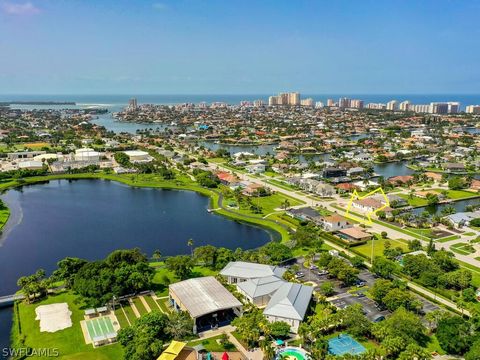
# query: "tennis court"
345, 344
100, 328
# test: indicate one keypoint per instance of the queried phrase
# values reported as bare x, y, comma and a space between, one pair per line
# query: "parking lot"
342, 298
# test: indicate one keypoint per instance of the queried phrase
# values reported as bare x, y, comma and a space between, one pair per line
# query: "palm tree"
157, 255
190, 244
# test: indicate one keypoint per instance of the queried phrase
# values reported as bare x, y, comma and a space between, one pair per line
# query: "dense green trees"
122, 159
206, 178
181, 265
122, 272
399, 330
34, 286
67, 269
144, 340
384, 267
455, 334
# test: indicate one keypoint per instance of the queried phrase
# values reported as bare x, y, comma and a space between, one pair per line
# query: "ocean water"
116, 102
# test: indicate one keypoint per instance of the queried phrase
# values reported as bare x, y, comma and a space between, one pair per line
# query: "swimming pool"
292, 352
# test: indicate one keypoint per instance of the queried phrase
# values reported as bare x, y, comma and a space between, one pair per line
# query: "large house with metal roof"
206, 300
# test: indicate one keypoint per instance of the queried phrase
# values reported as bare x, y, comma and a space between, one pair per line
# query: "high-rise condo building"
258, 103
307, 102
451, 107
473, 109
356, 104
392, 105
292, 99
319, 105
132, 104
330, 102
404, 106
344, 103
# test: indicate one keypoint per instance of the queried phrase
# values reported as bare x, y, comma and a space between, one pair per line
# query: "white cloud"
159, 6
26, 8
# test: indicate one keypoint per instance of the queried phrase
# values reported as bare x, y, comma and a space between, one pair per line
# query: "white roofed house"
30, 165
289, 304
138, 156
259, 291
87, 154
237, 271
334, 222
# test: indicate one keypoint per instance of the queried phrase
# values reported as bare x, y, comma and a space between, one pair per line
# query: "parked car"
299, 275
322, 272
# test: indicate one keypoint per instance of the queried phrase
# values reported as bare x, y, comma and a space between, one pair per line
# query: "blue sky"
239, 47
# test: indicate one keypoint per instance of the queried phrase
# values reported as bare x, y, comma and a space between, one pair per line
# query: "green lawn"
130, 314
414, 200
212, 345
163, 304
121, 318
69, 342
164, 277
458, 194
379, 246
152, 303
462, 248
448, 238
139, 305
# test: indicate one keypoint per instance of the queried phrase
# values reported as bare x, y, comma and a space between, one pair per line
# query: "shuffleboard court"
100, 327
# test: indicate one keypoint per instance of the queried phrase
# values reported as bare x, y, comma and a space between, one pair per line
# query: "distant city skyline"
239, 47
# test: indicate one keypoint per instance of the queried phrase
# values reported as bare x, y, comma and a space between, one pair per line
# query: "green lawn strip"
379, 247
414, 201
152, 303
469, 234
69, 342
163, 305
447, 238
475, 272
122, 320
129, 312
462, 248
211, 344
281, 184
434, 346
458, 194
139, 305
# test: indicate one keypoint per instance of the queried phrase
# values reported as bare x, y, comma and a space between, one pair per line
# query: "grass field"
69, 342
379, 247
139, 305
129, 312
212, 344
164, 277
122, 320
152, 303
462, 248
414, 200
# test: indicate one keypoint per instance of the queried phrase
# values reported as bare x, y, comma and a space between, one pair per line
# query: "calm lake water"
91, 218
392, 169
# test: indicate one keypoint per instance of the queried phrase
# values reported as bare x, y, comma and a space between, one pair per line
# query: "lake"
389, 169
91, 218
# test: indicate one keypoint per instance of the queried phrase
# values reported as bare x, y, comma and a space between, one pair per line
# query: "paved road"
376, 227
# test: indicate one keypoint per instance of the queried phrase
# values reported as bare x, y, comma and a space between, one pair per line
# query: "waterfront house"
400, 180
353, 234
368, 204
333, 222
346, 187
255, 168
304, 214
454, 167
433, 176
332, 172
463, 218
